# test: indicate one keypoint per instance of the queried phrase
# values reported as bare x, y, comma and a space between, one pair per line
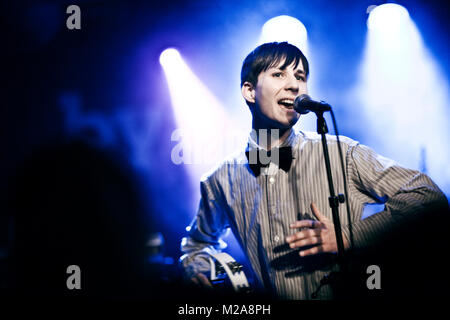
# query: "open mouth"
287, 103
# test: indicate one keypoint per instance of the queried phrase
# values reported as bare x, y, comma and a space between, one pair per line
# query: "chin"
284, 125
286, 122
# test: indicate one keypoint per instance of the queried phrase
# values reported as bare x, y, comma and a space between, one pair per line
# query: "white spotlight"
387, 17
404, 94
169, 56
205, 133
285, 28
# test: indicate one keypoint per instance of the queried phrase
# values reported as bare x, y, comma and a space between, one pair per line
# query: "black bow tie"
258, 158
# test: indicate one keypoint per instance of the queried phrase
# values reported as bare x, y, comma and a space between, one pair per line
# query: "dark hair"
269, 55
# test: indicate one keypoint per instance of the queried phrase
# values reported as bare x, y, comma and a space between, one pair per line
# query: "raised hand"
319, 234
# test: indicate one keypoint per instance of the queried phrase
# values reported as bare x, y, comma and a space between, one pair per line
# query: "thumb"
317, 213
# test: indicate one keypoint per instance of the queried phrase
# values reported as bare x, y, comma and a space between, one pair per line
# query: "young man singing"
279, 210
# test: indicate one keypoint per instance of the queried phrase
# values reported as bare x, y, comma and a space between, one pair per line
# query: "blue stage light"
404, 94
387, 17
285, 28
169, 57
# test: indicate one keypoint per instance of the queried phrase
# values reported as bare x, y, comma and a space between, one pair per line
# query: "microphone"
304, 104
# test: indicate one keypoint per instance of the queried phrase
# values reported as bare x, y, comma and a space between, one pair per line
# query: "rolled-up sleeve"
406, 194
205, 231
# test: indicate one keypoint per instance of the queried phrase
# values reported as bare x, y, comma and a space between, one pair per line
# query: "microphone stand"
334, 201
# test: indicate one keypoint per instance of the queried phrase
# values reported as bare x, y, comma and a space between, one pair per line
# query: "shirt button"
271, 180
276, 238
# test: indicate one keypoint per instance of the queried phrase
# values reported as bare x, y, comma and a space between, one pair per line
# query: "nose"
292, 84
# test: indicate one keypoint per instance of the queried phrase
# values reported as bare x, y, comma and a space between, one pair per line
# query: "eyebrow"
298, 71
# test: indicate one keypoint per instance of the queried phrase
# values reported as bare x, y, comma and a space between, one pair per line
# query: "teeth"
289, 101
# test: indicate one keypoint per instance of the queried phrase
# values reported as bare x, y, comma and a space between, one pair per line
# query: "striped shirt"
259, 209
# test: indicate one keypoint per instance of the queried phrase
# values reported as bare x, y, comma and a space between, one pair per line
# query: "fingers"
323, 220
317, 212
316, 239
307, 239
303, 235
306, 224
304, 238
204, 280
314, 250
194, 280
306, 242
201, 281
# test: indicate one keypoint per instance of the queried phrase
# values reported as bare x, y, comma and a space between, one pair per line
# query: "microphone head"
300, 103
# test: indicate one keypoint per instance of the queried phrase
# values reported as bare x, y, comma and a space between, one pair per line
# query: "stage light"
285, 28
404, 95
387, 17
169, 57
205, 133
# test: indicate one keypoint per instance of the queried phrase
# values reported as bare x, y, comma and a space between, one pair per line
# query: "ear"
248, 92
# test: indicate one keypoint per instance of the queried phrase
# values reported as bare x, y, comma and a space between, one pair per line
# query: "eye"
277, 74
299, 77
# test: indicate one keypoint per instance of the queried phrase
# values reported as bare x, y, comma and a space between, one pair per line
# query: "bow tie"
258, 158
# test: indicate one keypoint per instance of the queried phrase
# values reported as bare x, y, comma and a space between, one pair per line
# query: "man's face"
274, 95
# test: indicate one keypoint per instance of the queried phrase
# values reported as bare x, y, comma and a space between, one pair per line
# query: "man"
278, 209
